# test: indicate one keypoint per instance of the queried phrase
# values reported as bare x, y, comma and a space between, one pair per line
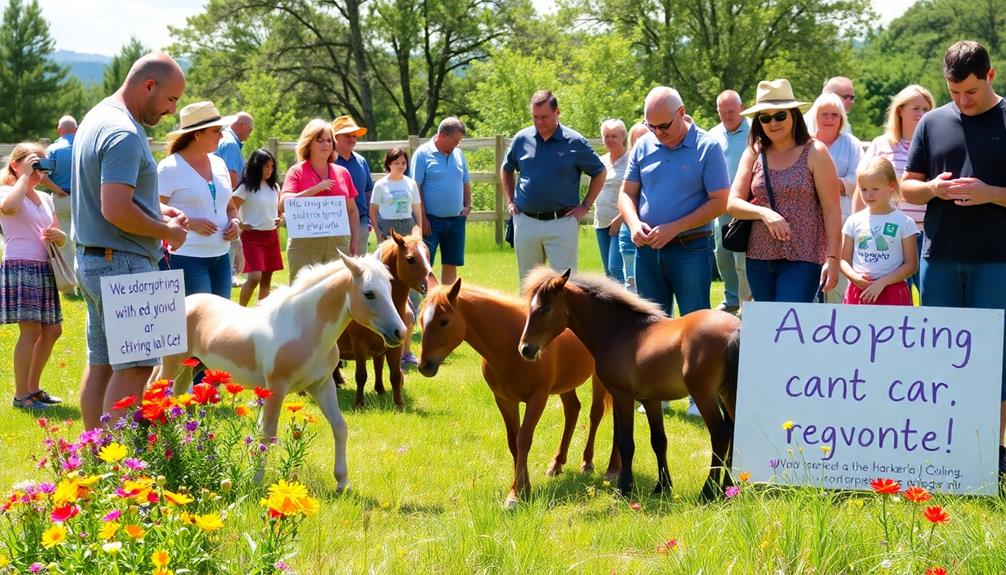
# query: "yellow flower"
787, 425
177, 498
744, 476
113, 452
66, 493
184, 400
162, 571
112, 548
825, 449
185, 517
160, 558
289, 499
208, 522
4, 561
308, 506
53, 536
108, 530
135, 531
293, 407
241, 411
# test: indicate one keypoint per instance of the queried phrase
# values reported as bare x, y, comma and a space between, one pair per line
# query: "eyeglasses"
778, 117
662, 127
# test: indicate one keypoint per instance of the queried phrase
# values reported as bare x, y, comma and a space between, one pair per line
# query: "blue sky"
109, 23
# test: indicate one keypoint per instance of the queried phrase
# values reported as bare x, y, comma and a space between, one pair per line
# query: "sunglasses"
661, 127
778, 117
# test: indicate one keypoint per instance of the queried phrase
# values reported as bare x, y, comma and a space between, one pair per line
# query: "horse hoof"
380, 390
586, 467
510, 503
553, 470
358, 405
612, 475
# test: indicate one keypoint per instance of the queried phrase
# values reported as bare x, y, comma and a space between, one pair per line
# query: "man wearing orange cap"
346, 134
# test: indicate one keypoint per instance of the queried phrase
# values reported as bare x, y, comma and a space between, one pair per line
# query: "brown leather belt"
693, 236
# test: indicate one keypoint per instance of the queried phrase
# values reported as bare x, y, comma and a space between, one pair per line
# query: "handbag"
61, 269
736, 233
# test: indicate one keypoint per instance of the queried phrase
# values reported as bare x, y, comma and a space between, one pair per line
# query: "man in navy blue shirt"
545, 200
346, 134
59, 181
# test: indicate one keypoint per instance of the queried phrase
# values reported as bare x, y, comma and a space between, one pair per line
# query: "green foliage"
30, 83
260, 95
503, 88
116, 70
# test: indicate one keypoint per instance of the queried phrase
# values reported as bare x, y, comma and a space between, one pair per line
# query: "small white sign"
144, 315
316, 217
835, 396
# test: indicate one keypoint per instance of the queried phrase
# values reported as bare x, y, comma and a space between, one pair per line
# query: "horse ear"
351, 265
452, 295
416, 231
398, 238
564, 277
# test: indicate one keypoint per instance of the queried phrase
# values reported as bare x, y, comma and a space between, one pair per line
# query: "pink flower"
71, 463
732, 491
61, 514
635, 506
134, 464
112, 516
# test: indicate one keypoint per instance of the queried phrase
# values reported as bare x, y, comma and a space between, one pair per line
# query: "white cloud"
104, 26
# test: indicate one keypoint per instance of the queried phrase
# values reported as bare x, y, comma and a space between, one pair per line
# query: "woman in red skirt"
257, 199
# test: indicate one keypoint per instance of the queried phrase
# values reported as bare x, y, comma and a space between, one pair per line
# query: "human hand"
662, 235
940, 185
24, 169
169, 212
871, 293
512, 208
176, 233
54, 235
466, 210
614, 228
232, 230
969, 192
322, 186
577, 211
202, 226
829, 274
427, 230
278, 221
777, 225
641, 235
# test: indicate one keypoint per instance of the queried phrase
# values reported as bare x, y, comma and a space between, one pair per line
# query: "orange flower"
936, 571
293, 407
744, 476
917, 494
885, 486
215, 378
936, 514
135, 531
205, 394
241, 411
124, 402
191, 362
177, 498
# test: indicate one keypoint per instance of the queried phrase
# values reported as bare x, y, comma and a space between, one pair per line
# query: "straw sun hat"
198, 116
347, 125
774, 95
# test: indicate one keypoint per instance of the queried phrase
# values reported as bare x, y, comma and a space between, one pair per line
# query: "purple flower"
47, 488
48, 443
112, 516
262, 448
187, 439
191, 425
36, 567
248, 440
773, 463
90, 436
732, 491
105, 418
72, 462
175, 412
121, 423
134, 464
281, 566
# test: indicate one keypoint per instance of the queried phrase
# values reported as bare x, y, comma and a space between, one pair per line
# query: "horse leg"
622, 409
360, 369
719, 435
269, 419
379, 373
658, 441
171, 368
511, 420
327, 398
570, 412
395, 368
532, 414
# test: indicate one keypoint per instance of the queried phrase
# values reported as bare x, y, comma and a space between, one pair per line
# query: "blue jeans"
675, 272
727, 265
204, 275
628, 251
448, 234
611, 256
916, 278
968, 285
783, 280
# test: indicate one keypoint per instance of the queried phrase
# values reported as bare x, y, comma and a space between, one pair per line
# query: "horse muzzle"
529, 352
428, 367
392, 335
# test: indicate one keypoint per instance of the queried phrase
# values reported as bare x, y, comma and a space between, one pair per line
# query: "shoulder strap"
768, 182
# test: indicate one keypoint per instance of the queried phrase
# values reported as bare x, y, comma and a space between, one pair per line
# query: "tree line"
399, 66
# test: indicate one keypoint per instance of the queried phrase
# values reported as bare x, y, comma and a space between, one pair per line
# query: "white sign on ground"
144, 315
835, 396
316, 217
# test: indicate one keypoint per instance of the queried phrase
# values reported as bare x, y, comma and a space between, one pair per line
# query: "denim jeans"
727, 265
611, 256
675, 272
916, 278
204, 275
628, 251
783, 280
968, 285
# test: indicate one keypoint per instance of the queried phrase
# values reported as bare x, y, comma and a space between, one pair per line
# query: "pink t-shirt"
302, 176
22, 231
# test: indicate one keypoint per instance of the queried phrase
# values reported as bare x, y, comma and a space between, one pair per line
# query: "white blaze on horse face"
424, 251
431, 310
534, 300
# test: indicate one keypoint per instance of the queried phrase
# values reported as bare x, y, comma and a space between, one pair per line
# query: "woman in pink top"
794, 246
28, 294
315, 175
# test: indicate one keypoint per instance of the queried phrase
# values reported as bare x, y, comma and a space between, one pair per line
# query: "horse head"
443, 327
370, 302
408, 259
547, 314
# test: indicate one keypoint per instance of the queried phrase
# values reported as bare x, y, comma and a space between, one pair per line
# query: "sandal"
44, 397
28, 402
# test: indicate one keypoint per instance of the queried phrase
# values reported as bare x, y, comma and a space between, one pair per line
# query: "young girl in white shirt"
878, 243
257, 200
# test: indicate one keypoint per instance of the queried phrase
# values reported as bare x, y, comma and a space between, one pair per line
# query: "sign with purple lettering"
835, 396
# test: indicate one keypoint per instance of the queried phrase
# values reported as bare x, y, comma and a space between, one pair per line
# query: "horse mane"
599, 287
310, 276
438, 295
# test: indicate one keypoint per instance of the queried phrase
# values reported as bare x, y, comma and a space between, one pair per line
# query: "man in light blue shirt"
229, 149
58, 182
732, 134
676, 183
441, 171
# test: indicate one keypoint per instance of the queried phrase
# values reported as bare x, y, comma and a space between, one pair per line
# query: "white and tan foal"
287, 343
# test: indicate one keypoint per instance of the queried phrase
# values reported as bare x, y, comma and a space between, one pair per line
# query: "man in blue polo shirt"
232, 140
59, 181
441, 171
346, 134
545, 201
676, 183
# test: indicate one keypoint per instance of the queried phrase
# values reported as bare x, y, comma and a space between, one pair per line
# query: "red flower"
61, 514
157, 389
191, 362
205, 393
936, 514
215, 378
43, 423
124, 402
885, 486
936, 571
917, 494
635, 506
262, 393
667, 546
154, 410
234, 388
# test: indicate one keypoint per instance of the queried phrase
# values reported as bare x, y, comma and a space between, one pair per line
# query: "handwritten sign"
834, 396
316, 217
144, 315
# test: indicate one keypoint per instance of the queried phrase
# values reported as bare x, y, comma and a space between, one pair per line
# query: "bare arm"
826, 183
628, 201
118, 208
234, 179
354, 225
466, 206
374, 222
509, 184
51, 186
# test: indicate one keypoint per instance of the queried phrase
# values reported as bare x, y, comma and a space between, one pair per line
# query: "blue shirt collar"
558, 134
689, 140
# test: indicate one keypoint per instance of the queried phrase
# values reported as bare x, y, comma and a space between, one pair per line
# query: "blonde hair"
20, 152
822, 101
879, 167
615, 124
310, 133
892, 127
638, 130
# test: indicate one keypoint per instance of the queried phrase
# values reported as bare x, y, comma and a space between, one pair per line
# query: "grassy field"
428, 483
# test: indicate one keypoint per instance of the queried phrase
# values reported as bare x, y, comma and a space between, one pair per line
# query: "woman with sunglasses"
795, 239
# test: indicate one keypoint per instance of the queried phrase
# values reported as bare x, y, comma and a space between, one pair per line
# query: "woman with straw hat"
787, 184
196, 181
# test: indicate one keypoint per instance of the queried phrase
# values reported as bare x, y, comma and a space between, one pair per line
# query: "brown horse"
643, 355
491, 323
406, 257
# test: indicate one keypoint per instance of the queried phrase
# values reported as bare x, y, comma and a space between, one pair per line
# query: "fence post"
414, 143
274, 149
500, 214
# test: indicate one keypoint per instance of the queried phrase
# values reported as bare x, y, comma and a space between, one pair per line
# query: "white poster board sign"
144, 315
835, 396
316, 217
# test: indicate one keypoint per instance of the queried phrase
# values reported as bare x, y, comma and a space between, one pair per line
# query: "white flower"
112, 547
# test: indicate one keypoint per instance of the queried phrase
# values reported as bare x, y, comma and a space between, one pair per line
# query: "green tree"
30, 83
116, 70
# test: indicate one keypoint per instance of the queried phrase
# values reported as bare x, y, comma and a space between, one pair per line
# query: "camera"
44, 165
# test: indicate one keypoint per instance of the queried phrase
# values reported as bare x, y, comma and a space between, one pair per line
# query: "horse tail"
728, 384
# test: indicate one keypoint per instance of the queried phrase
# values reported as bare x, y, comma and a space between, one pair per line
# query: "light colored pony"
287, 343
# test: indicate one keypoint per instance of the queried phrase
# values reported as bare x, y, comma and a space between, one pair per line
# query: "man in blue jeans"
676, 183
957, 167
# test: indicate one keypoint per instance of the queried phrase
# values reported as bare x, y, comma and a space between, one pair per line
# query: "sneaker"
728, 308
43, 396
693, 410
29, 402
409, 360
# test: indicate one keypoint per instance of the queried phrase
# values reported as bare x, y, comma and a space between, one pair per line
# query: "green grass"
428, 483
